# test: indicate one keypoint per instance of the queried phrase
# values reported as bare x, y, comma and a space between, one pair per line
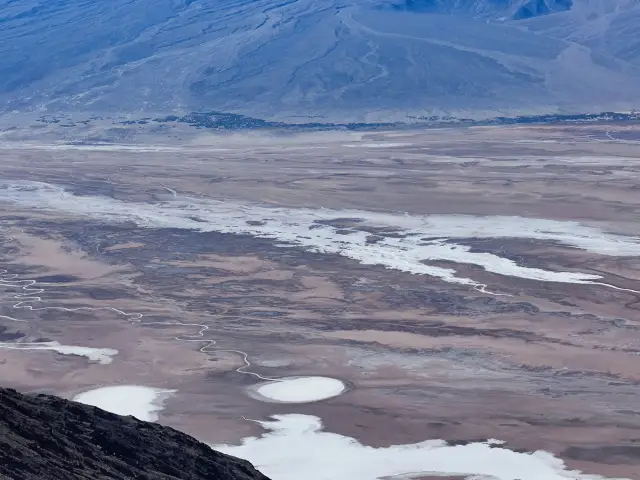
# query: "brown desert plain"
464, 284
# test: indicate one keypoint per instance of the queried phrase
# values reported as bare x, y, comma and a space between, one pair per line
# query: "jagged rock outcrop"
48, 438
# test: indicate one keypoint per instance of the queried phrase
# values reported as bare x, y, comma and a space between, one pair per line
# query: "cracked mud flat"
482, 288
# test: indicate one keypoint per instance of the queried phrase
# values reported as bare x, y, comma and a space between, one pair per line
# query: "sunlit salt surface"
144, 403
377, 145
100, 355
295, 447
416, 239
299, 389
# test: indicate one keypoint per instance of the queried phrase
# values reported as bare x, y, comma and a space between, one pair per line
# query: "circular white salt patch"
299, 389
144, 403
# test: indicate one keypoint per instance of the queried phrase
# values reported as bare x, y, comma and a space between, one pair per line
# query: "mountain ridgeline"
513, 9
48, 438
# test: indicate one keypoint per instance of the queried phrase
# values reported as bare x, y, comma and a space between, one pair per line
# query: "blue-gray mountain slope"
514, 9
329, 60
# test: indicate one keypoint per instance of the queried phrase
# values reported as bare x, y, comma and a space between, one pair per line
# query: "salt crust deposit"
377, 145
141, 402
100, 355
296, 447
425, 237
299, 389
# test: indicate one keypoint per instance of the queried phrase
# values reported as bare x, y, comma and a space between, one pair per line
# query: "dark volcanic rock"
48, 438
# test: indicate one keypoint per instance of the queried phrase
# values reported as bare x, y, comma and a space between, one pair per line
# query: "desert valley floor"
456, 284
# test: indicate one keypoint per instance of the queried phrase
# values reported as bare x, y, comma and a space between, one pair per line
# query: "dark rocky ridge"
48, 438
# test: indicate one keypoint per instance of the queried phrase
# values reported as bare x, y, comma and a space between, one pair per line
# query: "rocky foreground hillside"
45, 437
